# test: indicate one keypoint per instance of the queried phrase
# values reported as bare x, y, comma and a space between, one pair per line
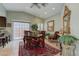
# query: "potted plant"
46, 35
67, 39
34, 28
68, 44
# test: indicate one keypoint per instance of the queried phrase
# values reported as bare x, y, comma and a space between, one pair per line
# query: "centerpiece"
34, 28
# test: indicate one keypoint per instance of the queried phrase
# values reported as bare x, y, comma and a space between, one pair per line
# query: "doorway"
18, 29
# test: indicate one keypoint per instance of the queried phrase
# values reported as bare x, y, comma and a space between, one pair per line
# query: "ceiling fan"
39, 5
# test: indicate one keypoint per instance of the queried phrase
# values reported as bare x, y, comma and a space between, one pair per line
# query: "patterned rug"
46, 51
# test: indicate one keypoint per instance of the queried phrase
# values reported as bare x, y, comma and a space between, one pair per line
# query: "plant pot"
68, 50
46, 37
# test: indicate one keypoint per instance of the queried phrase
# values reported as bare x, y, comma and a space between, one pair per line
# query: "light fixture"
38, 5
53, 8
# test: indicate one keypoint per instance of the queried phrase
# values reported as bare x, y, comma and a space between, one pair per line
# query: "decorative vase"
68, 50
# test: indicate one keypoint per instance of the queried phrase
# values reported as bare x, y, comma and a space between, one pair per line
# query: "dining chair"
27, 39
42, 38
0, 42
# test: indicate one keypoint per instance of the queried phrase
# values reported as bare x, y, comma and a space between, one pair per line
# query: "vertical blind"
40, 26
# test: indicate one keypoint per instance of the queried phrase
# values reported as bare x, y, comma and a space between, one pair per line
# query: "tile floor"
12, 48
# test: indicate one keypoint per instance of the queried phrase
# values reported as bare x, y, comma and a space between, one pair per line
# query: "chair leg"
61, 49
3, 42
0, 43
6, 39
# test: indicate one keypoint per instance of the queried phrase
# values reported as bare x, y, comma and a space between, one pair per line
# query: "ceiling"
51, 9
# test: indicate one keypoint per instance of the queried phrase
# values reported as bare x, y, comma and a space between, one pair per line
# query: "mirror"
66, 21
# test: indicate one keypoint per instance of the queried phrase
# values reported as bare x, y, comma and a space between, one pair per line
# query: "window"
40, 26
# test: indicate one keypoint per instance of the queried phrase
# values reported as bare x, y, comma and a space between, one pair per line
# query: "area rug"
46, 51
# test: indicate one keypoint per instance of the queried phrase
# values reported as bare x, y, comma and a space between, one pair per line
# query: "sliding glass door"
18, 29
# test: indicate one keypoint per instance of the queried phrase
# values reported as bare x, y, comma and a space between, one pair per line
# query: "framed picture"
50, 25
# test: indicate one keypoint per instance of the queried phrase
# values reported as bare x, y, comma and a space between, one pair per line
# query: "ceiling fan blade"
35, 4
38, 6
32, 5
44, 4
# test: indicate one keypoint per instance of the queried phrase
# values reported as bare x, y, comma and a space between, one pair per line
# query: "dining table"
33, 40
4, 39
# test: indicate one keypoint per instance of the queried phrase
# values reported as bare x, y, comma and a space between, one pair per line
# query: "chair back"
56, 36
27, 33
43, 34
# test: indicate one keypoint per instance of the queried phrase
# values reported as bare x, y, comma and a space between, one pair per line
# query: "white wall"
2, 10
18, 16
62, 14
21, 16
57, 23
